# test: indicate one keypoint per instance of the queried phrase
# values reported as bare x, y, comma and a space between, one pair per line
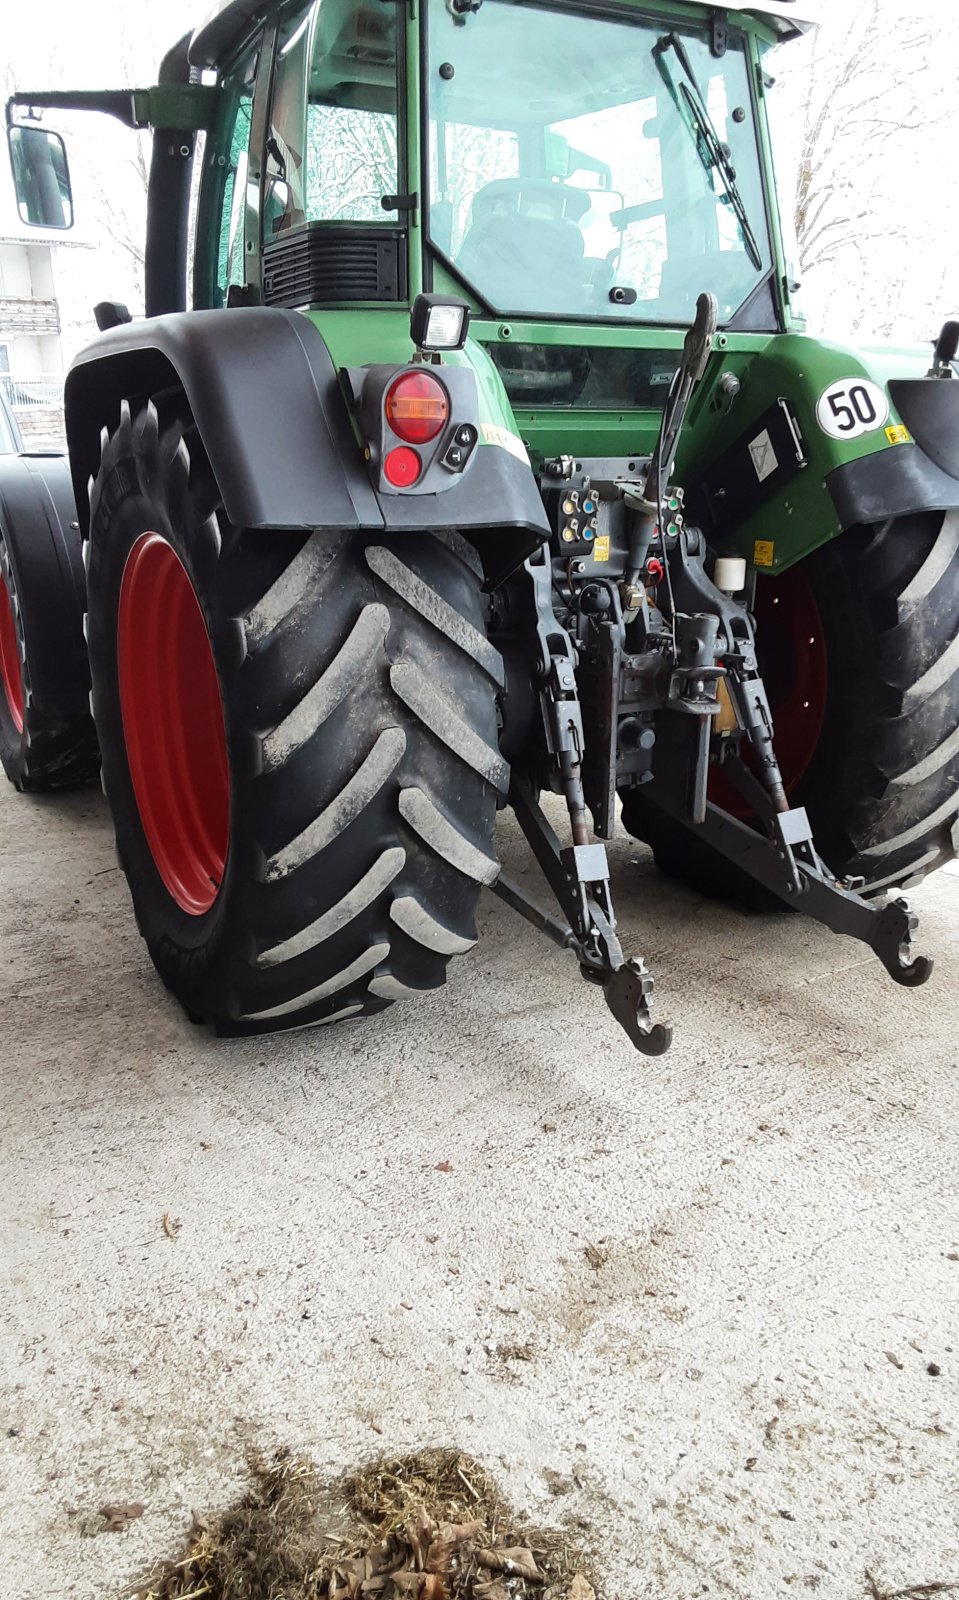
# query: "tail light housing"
417, 407
419, 424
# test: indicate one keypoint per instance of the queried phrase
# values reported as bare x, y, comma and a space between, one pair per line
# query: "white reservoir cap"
730, 574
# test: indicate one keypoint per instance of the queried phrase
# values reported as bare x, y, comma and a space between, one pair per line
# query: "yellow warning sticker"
897, 434
764, 553
601, 548
493, 434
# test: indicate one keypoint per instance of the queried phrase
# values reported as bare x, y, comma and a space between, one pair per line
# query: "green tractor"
492, 459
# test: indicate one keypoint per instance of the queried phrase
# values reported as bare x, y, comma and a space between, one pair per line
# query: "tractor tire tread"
882, 789
359, 698
53, 750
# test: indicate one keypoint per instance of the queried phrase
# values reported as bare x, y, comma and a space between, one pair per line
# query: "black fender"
264, 396
267, 402
38, 521
922, 475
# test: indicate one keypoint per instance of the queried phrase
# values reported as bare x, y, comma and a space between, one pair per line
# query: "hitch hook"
627, 993
892, 942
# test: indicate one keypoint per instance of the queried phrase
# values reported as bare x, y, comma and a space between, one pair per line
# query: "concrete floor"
743, 1390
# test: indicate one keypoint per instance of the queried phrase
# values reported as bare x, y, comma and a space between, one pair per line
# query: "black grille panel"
335, 261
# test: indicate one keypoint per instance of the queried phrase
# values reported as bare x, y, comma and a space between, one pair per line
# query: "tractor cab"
576, 179
542, 162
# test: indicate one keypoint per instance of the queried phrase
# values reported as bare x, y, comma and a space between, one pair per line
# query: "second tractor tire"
299, 741
47, 739
875, 664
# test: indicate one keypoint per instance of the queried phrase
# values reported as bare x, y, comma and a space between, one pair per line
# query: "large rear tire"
859, 645
299, 742
47, 740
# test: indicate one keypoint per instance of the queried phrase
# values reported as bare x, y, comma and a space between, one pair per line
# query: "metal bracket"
576, 876
783, 857
579, 878
719, 34
602, 685
802, 460
789, 862
176, 107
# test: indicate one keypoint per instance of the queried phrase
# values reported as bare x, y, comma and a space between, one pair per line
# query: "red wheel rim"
793, 660
173, 725
10, 674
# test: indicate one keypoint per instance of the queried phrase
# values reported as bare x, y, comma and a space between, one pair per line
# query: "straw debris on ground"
427, 1526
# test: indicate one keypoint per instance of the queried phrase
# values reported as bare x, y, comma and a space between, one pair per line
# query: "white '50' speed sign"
851, 406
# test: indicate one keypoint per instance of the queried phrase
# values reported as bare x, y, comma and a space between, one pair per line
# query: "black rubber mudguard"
922, 475
890, 483
265, 396
38, 521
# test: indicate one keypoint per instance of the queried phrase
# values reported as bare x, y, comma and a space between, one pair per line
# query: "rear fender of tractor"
264, 394
816, 439
921, 474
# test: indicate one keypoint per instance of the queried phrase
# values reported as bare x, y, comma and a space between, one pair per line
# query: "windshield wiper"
712, 151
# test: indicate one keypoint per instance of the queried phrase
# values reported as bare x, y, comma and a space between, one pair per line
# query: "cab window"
331, 151
591, 166
220, 257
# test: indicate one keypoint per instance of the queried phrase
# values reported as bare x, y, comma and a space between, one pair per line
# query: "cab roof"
230, 20
779, 14
225, 26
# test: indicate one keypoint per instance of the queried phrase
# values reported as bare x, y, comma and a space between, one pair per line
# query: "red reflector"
401, 467
417, 407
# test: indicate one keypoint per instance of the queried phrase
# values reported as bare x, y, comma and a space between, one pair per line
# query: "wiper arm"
713, 153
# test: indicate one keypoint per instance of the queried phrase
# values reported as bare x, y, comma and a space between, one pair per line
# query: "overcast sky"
888, 158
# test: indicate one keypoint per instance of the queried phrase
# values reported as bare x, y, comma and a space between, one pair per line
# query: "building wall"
15, 278
31, 360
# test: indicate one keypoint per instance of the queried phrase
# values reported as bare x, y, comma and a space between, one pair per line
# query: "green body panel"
797, 368
769, 367
359, 339
556, 430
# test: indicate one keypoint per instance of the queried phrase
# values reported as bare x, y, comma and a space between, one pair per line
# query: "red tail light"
417, 407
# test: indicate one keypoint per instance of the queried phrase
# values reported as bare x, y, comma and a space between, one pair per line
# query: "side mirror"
41, 177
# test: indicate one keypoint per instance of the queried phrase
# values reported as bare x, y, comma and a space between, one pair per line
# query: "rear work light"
438, 322
417, 407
